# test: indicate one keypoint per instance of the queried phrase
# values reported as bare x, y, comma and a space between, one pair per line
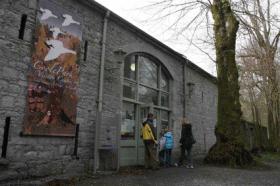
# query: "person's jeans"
168, 157
189, 157
150, 155
183, 156
161, 156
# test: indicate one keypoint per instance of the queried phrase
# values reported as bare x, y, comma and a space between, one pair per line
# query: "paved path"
202, 175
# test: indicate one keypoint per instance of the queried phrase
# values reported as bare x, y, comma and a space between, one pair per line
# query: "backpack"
162, 141
169, 140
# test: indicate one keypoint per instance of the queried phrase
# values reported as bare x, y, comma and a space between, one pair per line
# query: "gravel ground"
201, 175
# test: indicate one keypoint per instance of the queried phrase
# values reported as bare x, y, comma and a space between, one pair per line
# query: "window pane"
148, 72
148, 95
164, 82
156, 115
130, 68
156, 120
164, 115
164, 125
164, 100
129, 90
128, 121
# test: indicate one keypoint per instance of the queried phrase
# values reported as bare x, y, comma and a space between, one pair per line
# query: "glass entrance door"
144, 111
131, 144
129, 137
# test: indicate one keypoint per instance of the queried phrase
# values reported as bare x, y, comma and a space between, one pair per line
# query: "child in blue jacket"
168, 147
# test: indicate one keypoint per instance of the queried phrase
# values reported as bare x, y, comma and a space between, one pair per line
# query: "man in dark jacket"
187, 140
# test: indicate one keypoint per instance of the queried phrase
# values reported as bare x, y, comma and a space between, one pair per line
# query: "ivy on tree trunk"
229, 148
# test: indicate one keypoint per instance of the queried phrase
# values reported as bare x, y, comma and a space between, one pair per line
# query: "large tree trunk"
272, 103
273, 120
229, 148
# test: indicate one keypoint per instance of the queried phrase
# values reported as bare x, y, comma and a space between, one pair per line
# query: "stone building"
123, 73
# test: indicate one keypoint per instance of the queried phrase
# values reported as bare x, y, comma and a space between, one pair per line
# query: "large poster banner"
54, 71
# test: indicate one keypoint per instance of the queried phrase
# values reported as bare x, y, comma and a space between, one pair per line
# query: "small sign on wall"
54, 73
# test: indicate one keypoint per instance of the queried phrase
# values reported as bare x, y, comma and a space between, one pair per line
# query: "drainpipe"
184, 88
100, 94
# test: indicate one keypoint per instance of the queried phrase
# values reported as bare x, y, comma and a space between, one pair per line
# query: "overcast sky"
132, 11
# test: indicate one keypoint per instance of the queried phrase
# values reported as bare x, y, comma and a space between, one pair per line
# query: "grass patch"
270, 156
264, 161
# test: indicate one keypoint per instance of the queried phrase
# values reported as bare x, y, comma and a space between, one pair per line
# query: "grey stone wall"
202, 109
45, 156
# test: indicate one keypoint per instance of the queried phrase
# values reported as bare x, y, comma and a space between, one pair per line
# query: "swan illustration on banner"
55, 32
69, 20
46, 14
56, 49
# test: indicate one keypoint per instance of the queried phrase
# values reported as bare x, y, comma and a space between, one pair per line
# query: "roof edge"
149, 38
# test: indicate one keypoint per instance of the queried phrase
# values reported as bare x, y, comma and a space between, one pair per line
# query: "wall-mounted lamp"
191, 88
132, 67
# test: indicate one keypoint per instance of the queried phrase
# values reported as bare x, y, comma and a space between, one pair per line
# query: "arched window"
146, 83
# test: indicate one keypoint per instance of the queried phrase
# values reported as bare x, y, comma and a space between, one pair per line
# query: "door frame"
137, 142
